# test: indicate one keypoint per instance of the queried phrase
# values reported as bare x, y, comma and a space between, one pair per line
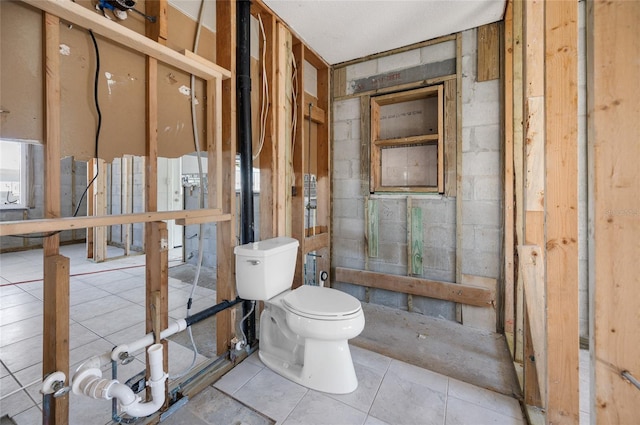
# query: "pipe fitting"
88, 381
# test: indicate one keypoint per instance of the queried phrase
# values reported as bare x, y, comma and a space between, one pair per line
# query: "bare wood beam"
561, 217
226, 234
70, 223
86, 18
464, 294
55, 336
509, 224
613, 134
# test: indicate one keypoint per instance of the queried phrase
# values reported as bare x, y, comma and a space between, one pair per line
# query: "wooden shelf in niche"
407, 141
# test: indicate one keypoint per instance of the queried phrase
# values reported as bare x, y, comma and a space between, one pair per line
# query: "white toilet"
304, 331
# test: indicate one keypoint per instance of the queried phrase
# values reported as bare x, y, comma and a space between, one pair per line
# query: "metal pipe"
243, 93
208, 312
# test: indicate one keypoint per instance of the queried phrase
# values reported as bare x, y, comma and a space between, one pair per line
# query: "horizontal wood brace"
317, 114
78, 15
448, 291
412, 140
314, 243
69, 223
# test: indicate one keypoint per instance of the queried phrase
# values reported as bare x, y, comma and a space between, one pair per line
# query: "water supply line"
88, 380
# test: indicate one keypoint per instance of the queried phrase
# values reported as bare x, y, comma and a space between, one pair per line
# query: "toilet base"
327, 367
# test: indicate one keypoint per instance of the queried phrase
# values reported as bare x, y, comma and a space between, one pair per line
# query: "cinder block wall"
481, 195
73, 180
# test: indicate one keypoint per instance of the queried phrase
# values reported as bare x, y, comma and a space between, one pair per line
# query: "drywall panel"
20, 71
121, 88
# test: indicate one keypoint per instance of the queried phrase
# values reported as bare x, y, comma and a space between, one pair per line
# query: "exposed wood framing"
56, 268
183, 217
489, 52
613, 135
532, 268
371, 233
561, 219
271, 187
450, 138
466, 294
98, 195
518, 166
459, 202
86, 18
301, 144
509, 240
226, 231
283, 106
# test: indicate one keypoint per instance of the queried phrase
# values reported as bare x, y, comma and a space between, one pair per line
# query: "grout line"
446, 402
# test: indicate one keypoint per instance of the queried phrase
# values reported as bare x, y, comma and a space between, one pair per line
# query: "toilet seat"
315, 302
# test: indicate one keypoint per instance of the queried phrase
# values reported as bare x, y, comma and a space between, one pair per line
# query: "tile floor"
107, 308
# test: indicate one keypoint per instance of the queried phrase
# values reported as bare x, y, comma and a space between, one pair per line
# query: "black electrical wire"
96, 81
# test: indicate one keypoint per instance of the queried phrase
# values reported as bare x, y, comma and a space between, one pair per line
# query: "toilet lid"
319, 301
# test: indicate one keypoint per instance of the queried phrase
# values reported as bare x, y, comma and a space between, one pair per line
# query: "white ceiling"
344, 30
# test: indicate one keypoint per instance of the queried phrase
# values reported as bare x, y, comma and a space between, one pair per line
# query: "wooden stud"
518, 165
55, 336
372, 228
509, 224
157, 287
268, 161
466, 294
127, 199
561, 191
613, 135
488, 52
365, 144
531, 372
340, 81
532, 268
99, 195
416, 241
56, 329
459, 203
226, 232
91, 169
301, 167
450, 138
158, 30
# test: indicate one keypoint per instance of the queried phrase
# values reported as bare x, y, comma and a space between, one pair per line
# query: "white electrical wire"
196, 141
264, 107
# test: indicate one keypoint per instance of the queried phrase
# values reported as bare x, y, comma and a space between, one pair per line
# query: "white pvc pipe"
88, 381
174, 327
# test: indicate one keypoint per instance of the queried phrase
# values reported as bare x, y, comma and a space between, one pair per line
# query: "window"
13, 174
407, 141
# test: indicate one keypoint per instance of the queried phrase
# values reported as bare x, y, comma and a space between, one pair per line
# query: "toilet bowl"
303, 331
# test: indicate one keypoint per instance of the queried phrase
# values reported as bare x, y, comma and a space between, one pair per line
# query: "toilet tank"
265, 268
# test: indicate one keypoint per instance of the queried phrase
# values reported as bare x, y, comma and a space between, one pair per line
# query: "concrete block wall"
481, 196
73, 180
350, 192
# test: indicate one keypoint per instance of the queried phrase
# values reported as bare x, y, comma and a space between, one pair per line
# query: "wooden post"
614, 132
561, 218
300, 167
157, 288
509, 225
55, 336
226, 231
99, 201
518, 165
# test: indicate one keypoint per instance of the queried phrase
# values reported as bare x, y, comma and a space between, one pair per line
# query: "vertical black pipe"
243, 93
